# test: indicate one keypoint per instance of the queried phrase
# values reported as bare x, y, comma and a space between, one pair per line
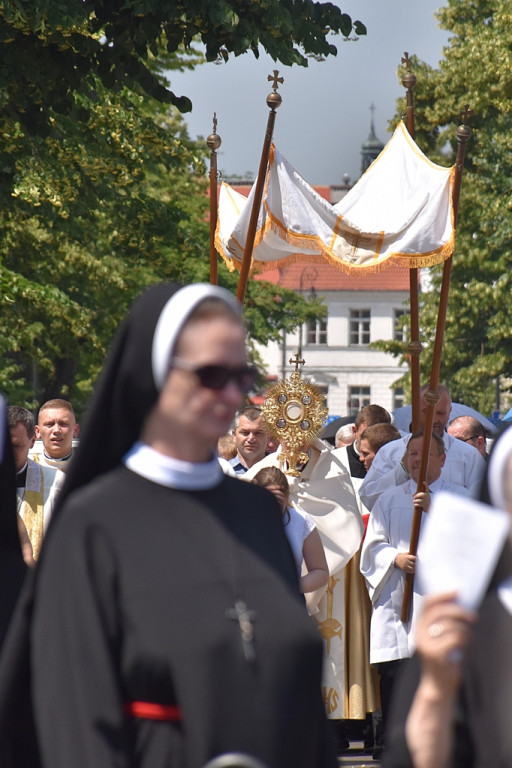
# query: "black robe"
130, 605
12, 567
357, 468
482, 720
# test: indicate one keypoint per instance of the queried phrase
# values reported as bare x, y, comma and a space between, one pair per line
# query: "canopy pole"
274, 101
432, 396
414, 348
213, 141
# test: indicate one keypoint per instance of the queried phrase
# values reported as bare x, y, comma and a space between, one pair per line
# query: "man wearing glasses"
470, 431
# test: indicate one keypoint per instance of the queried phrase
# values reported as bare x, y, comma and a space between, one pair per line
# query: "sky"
326, 111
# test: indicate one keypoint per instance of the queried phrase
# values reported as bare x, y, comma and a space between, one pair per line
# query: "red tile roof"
324, 277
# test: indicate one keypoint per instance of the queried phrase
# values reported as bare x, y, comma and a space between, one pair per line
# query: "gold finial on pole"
274, 101
409, 81
275, 79
213, 141
465, 114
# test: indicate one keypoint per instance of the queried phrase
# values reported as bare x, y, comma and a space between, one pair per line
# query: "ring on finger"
435, 630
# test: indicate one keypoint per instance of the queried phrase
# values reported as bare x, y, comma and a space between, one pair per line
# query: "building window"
316, 331
359, 327
358, 397
324, 389
398, 398
399, 332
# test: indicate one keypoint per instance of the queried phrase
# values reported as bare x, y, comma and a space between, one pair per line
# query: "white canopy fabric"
399, 212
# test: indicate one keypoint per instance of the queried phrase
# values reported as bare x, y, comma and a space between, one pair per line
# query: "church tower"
370, 148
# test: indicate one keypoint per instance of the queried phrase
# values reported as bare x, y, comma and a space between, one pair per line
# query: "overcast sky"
325, 115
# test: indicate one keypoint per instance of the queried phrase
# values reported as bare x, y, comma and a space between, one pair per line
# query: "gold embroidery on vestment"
32, 512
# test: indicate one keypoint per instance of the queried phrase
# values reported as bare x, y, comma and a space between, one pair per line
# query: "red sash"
150, 711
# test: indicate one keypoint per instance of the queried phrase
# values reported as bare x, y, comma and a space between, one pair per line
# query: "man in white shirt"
463, 466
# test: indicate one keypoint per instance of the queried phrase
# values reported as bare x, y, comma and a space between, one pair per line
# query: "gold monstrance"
294, 414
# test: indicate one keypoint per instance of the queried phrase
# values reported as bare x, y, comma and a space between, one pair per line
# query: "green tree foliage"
50, 49
102, 191
95, 211
476, 69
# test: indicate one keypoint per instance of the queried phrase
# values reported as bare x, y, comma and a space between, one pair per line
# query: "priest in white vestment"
324, 490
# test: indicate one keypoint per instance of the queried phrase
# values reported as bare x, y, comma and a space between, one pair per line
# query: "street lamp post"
307, 276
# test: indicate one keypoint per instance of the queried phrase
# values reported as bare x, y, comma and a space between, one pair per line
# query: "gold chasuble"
32, 512
36, 500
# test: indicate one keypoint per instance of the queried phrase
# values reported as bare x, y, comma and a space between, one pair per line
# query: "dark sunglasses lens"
217, 376
213, 376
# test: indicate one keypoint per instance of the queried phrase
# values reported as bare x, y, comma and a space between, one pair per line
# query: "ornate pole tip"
274, 99
214, 141
409, 80
406, 60
464, 132
465, 113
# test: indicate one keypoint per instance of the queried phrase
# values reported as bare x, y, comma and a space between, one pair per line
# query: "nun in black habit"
167, 627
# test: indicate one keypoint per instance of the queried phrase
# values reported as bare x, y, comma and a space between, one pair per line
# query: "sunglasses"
217, 376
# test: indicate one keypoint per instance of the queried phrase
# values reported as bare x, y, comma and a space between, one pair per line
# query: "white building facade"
360, 309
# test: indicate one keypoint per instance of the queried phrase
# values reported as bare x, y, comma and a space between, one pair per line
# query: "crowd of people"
189, 596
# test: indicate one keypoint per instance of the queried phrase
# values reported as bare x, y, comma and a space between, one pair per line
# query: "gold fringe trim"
397, 259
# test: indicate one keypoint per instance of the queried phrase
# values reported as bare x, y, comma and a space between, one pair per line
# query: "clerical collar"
57, 461
173, 473
21, 476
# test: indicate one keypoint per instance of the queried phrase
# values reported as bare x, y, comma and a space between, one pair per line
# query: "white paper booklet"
460, 543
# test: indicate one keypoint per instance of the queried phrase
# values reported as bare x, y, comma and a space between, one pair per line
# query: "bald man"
470, 431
